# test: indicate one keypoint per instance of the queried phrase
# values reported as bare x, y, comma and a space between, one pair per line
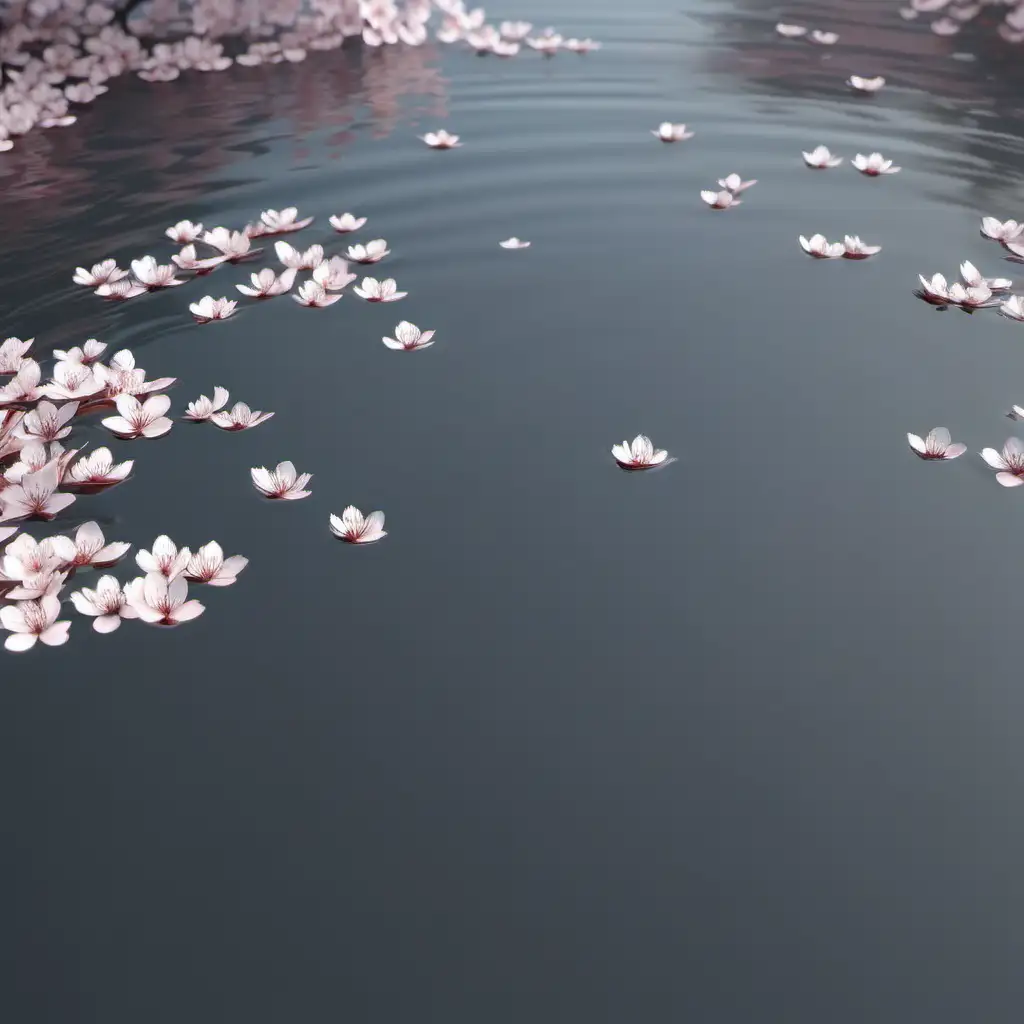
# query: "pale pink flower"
208, 308
934, 289
735, 184
379, 291
1013, 308
208, 565
281, 482
162, 602
23, 387
823, 38
188, 260
347, 222
874, 164
88, 353
89, 548
280, 222
35, 496
503, 48
514, 243
139, 419
332, 275
154, 275
1001, 231
297, 258
107, 603
240, 417
12, 355
515, 30
184, 232
972, 296
312, 294
202, 409
372, 252
441, 140
936, 445
641, 454
267, 284
97, 471
855, 249
34, 587
235, 245
972, 277
353, 527
26, 557
547, 45
720, 200
669, 132
105, 272
120, 291
47, 422
409, 337
33, 456
821, 159
865, 84
1009, 464
164, 558
582, 45
71, 382
124, 378
159, 73
790, 31
29, 621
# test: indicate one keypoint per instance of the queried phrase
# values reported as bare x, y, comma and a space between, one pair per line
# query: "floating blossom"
235, 245
71, 382
12, 355
313, 294
282, 482
46, 422
1013, 308
1001, 231
548, 45
972, 276
34, 587
35, 496
821, 159
441, 140
347, 222
855, 249
514, 243
154, 275
865, 84
874, 164
934, 289
184, 232
352, 527
937, 445
372, 252
88, 353
1009, 464
208, 565
139, 419
971, 297
202, 408
581, 45
240, 417
824, 38
332, 275
162, 602
97, 471
26, 557
298, 259
188, 260
669, 132
515, 30
208, 308
164, 559
23, 387
735, 184
29, 621
88, 549
409, 337
379, 291
107, 604
120, 291
720, 200
280, 222
641, 454
267, 284
790, 31
105, 272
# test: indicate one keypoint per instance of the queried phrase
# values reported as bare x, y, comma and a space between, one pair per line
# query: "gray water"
736, 741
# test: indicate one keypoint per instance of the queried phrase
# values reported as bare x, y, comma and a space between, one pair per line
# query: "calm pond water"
740, 740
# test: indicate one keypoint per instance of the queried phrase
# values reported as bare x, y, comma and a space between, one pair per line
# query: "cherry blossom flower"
188, 260
821, 159
97, 471
122, 377
547, 45
312, 294
29, 621
720, 200
1013, 308
35, 496
33, 456
379, 291
23, 387
514, 243
87, 353
154, 275
347, 222
164, 558
1001, 231
441, 140
867, 85
184, 232
281, 482
240, 417
12, 355
139, 419
641, 454
372, 252
280, 222
72, 382
89, 548
972, 296
1009, 464
267, 284
26, 557
208, 308
107, 603
582, 45
408, 337
162, 602
32, 588
855, 249
515, 30
972, 277
120, 291
824, 38
235, 245
46, 422
874, 165
934, 289
202, 409
937, 445
669, 132
790, 31
735, 184
208, 565
351, 526
297, 258
332, 275
105, 272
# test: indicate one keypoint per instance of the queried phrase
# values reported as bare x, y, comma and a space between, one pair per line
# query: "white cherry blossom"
353, 527
107, 603
139, 419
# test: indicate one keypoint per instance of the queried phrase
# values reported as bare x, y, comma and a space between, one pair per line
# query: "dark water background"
736, 741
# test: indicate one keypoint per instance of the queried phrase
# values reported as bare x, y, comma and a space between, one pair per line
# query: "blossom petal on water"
267, 284
669, 132
279, 222
823, 38
35, 496
735, 184
1009, 463
855, 249
97, 471
820, 248
409, 337
441, 140
379, 291
119, 291
1001, 231
107, 603
346, 222
105, 272
189, 261
312, 294
372, 252
790, 31
164, 558
29, 621
638, 454
240, 417
514, 243
353, 527
868, 85
184, 232
821, 159
719, 200
203, 408
154, 275
1013, 308
874, 165
208, 565
281, 482
88, 549
936, 445
139, 419
299, 259
332, 275
208, 308
160, 601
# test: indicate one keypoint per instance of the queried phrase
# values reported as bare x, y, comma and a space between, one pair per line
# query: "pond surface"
740, 740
